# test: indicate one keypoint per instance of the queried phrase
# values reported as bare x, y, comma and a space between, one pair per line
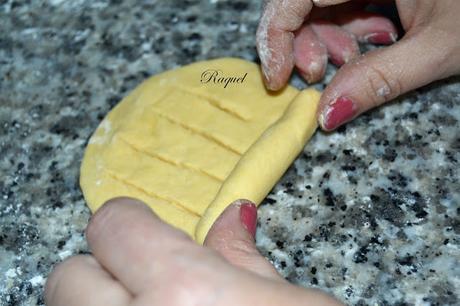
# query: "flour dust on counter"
369, 213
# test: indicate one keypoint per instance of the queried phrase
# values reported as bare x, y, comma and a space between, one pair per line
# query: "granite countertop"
369, 213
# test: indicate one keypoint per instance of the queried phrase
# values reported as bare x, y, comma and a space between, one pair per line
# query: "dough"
190, 141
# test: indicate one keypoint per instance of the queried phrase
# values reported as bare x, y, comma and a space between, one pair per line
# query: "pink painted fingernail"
384, 38
337, 113
248, 217
338, 61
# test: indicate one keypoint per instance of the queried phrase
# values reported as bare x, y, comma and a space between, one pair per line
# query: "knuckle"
444, 61
382, 86
184, 255
229, 243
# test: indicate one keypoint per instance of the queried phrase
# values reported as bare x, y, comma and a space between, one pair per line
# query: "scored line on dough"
214, 102
152, 194
169, 161
196, 131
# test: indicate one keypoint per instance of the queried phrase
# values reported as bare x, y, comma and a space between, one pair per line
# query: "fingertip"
277, 71
106, 214
274, 46
232, 236
239, 218
368, 27
337, 112
271, 81
341, 45
380, 38
310, 55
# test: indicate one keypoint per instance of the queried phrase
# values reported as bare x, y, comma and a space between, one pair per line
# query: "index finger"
275, 38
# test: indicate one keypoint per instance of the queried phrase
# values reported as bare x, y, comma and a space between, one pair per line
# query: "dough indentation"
197, 131
152, 194
171, 161
223, 105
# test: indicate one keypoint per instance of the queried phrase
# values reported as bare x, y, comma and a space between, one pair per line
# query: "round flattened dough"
183, 145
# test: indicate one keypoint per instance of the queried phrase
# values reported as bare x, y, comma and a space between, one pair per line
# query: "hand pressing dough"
188, 144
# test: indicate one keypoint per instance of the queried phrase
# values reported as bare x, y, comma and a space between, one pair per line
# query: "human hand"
301, 32
140, 260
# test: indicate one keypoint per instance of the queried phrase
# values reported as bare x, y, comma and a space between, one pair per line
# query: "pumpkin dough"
190, 141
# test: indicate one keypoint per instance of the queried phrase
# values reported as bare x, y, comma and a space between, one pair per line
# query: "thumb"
232, 236
382, 75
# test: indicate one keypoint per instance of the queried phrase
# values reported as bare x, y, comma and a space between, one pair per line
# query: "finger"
382, 75
132, 243
275, 39
340, 44
310, 55
232, 236
80, 280
368, 27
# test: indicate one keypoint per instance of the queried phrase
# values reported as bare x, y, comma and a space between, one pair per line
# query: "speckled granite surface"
369, 213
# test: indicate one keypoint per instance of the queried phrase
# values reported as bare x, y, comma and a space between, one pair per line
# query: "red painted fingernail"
248, 217
338, 61
384, 38
337, 113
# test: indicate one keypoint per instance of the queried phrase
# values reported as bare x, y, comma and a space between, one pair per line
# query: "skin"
137, 259
299, 33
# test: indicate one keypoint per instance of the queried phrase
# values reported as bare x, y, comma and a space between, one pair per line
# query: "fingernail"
307, 77
338, 61
248, 217
337, 113
266, 76
384, 38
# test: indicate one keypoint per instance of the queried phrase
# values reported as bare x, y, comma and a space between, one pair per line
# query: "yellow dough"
190, 141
